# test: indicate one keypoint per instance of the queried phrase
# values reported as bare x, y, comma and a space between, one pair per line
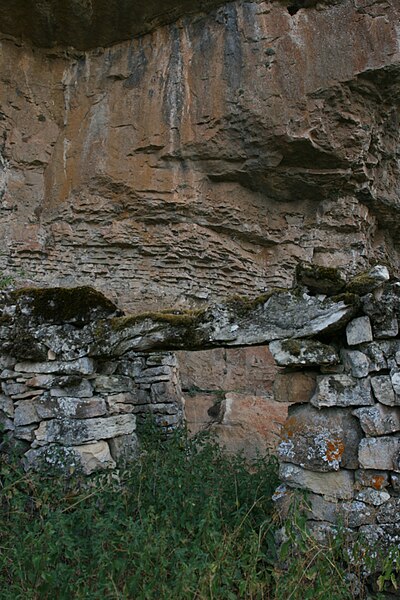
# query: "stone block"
320, 439
73, 432
378, 480
94, 457
389, 512
380, 453
378, 420
359, 331
83, 389
113, 384
26, 433
342, 390
356, 362
381, 536
294, 387
335, 484
297, 353
376, 354
124, 448
7, 406
395, 378
84, 366
87, 458
46, 407
383, 390
357, 513
373, 496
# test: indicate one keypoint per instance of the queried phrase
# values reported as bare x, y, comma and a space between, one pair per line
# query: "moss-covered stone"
77, 305
242, 306
319, 279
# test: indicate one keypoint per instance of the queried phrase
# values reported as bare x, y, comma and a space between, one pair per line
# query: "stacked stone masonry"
341, 441
76, 374
61, 407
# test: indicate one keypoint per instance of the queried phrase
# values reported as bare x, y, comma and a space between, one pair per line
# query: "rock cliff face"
205, 158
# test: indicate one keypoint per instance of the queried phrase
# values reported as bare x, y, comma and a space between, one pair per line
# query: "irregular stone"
113, 384
320, 439
94, 457
26, 433
29, 394
376, 355
342, 390
378, 420
395, 378
319, 279
84, 366
294, 387
7, 406
83, 389
357, 513
378, 480
381, 536
356, 362
383, 390
321, 509
383, 309
335, 484
11, 389
359, 331
278, 315
395, 482
46, 407
25, 413
365, 283
389, 512
296, 353
373, 496
154, 374
124, 448
116, 408
380, 453
86, 458
73, 432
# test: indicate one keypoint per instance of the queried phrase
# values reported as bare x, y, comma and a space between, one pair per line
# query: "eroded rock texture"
205, 158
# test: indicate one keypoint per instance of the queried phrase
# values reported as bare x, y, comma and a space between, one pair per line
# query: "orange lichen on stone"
334, 450
290, 427
377, 482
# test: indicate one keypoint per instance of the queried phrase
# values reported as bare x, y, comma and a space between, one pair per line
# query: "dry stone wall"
63, 408
341, 441
77, 375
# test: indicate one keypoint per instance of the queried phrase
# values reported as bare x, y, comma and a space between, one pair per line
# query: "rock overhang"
87, 24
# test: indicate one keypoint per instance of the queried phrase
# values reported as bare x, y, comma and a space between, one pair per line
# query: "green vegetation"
184, 522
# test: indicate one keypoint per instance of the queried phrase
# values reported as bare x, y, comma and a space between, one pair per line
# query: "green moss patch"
65, 305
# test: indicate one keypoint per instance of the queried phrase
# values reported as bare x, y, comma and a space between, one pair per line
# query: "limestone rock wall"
228, 391
205, 158
341, 441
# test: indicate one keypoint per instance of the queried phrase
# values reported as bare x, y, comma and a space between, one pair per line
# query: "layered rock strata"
203, 159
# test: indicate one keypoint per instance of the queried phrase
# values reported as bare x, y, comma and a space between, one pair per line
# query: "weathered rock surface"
70, 431
293, 353
342, 390
321, 440
204, 159
359, 331
378, 420
380, 453
335, 484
